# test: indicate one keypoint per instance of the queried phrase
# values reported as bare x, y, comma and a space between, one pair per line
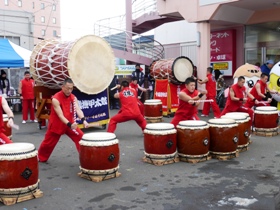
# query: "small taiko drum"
266, 120
176, 70
243, 130
85, 61
8, 130
193, 140
223, 138
99, 154
153, 110
19, 170
160, 143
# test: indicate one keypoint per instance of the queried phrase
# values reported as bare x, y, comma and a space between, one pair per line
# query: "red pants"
28, 104
4, 139
51, 139
178, 118
240, 109
120, 117
215, 107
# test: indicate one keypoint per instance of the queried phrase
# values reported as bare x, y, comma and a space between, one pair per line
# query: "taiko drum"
18, 165
99, 151
153, 109
193, 138
223, 136
160, 139
266, 118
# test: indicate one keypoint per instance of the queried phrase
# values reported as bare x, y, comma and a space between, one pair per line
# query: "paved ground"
253, 178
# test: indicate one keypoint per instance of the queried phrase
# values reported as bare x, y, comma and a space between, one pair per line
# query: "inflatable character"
251, 73
274, 83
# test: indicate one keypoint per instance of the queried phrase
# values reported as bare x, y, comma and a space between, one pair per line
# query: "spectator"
26, 92
138, 73
267, 66
4, 84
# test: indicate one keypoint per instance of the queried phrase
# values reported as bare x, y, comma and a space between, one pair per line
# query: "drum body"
243, 127
176, 70
193, 138
160, 139
247, 116
223, 136
52, 61
99, 151
266, 118
8, 130
19, 166
153, 109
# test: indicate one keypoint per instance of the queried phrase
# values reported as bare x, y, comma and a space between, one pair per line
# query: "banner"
223, 51
161, 92
174, 94
95, 106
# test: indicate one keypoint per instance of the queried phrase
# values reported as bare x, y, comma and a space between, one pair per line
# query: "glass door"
254, 55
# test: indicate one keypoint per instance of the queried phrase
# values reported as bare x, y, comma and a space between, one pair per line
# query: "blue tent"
12, 55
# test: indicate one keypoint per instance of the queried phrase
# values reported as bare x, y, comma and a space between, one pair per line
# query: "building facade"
26, 22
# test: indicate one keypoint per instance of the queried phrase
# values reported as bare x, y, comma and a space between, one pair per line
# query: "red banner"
161, 92
174, 92
223, 51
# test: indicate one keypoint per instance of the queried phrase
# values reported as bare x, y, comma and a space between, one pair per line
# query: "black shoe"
117, 107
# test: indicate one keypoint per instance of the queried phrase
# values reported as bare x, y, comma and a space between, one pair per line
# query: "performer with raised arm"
188, 103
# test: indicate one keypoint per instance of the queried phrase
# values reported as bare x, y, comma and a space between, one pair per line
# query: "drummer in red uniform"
4, 106
187, 109
134, 84
237, 95
211, 94
129, 109
62, 121
258, 93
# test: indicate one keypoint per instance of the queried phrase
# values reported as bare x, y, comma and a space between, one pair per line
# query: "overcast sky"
78, 16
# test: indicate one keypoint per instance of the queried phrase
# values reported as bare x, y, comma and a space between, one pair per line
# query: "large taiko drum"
88, 61
99, 153
177, 70
19, 169
266, 120
223, 138
153, 110
8, 130
243, 126
160, 142
193, 140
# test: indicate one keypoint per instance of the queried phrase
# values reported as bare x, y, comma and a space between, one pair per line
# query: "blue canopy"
12, 55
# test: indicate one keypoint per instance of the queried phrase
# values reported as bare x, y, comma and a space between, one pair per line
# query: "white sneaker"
204, 115
33, 121
23, 122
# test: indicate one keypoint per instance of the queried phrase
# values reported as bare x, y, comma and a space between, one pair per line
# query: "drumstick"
209, 100
15, 126
93, 124
114, 87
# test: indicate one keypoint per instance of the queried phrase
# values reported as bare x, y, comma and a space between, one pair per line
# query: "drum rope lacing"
165, 158
18, 153
99, 173
20, 191
45, 54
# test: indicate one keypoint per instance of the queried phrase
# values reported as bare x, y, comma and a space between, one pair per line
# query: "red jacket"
239, 93
128, 98
67, 106
211, 86
184, 107
27, 90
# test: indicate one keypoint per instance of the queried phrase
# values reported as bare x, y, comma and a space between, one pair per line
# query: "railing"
130, 42
141, 7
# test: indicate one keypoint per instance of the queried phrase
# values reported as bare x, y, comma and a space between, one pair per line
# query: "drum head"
16, 148
192, 123
266, 108
234, 117
159, 126
221, 121
238, 113
153, 101
99, 136
91, 64
182, 68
